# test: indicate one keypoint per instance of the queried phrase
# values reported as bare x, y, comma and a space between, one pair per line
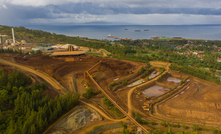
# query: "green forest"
23, 109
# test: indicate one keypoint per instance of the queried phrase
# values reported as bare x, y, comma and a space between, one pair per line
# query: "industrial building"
69, 53
23, 42
16, 44
70, 48
3, 39
84, 49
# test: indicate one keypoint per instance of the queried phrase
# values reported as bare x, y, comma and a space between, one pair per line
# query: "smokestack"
13, 35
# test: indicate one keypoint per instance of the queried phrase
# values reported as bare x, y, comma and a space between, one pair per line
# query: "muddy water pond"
154, 91
175, 80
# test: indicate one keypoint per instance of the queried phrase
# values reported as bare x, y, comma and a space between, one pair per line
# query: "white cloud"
3, 5
116, 11
132, 3
145, 19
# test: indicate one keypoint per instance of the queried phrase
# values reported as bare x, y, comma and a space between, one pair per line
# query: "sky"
136, 12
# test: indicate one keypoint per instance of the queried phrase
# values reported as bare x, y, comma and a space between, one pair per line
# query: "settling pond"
155, 91
175, 80
138, 82
154, 74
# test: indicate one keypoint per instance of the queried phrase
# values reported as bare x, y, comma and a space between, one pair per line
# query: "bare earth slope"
199, 103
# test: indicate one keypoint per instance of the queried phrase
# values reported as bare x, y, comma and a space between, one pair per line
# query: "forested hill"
23, 109
38, 36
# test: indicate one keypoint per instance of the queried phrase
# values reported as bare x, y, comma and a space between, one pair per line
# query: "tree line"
206, 75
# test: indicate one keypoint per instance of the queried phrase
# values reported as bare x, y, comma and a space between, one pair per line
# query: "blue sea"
208, 32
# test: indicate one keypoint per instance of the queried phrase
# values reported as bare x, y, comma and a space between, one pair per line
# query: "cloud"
132, 3
21, 12
141, 19
101, 9
3, 6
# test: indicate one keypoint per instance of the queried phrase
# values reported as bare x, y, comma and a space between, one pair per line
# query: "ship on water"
125, 29
137, 30
146, 29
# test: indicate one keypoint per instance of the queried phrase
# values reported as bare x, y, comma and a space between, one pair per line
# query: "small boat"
137, 30
125, 29
146, 29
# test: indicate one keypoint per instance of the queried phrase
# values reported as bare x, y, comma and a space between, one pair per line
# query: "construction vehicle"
137, 92
85, 85
145, 108
147, 103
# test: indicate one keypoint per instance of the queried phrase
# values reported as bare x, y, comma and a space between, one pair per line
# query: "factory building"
69, 53
70, 48
3, 39
23, 42
16, 44
84, 49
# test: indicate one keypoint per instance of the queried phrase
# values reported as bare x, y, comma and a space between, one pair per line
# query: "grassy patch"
112, 108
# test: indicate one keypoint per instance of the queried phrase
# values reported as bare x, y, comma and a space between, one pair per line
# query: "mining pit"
80, 117
60, 69
199, 103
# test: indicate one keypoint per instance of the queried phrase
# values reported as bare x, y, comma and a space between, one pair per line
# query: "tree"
8, 86
106, 101
169, 131
32, 129
10, 128
4, 95
125, 131
196, 127
137, 117
184, 126
89, 93
1, 117
59, 107
21, 89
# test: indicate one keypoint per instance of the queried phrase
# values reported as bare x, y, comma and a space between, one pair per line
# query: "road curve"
60, 89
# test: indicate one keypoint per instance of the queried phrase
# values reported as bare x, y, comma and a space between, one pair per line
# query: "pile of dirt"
53, 66
80, 117
110, 69
116, 68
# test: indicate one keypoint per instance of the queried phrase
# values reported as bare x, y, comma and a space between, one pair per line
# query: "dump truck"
147, 104
145, 108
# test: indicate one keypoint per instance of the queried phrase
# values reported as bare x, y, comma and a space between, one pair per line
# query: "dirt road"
59, 88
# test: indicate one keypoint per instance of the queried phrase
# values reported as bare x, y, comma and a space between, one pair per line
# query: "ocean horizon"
206, 32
